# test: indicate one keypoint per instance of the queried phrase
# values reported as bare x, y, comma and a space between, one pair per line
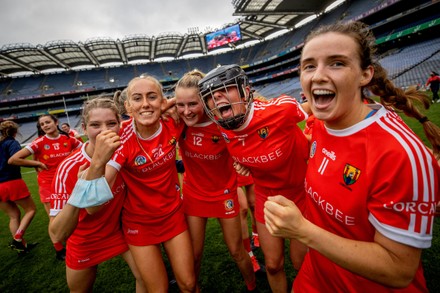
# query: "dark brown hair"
54, 119
409, 101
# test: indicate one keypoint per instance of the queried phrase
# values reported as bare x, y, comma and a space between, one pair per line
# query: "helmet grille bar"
223, 78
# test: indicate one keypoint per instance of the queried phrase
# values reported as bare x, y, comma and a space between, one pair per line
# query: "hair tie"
423, 119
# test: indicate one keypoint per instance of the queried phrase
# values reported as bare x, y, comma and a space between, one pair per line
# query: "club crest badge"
229, 204
263, 132
140, 160
46, 147
313, 149
172, 141
225, 136
351, 174
215, 138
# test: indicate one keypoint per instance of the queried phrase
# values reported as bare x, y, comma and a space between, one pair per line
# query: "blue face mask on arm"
90, 193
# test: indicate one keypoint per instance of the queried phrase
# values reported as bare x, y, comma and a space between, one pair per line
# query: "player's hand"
41, 167
282, 217
242, 170
107, 142
170, 113
170, 110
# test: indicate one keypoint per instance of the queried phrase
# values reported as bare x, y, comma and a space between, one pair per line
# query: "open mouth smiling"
225, 110
323, 97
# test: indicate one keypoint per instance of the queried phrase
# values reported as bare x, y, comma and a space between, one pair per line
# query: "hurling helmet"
222, 78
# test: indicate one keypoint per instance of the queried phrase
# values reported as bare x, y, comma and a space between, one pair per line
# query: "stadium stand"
60, 82
204, 63
119, 76
94, 78
154, 69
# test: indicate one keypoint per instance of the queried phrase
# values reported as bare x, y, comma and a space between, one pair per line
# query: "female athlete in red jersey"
264, 137
49, 151
209, 182
152, 215
70, 131
91, 239
371, 183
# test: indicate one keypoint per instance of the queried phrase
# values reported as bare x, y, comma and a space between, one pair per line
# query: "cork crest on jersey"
263, 132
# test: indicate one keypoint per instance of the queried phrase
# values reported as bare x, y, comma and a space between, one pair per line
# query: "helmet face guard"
225, 78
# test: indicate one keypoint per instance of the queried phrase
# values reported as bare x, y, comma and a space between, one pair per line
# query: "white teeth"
223, 106
322, 92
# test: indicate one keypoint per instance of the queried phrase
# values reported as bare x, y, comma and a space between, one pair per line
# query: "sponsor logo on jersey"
198, 134
118, 189
160, 161
140, 160
229, 204
225, 136
263, 132
328, 207
313, 149
423, 208
83, 260
202, 156
132, 232
351, 174
265, 158
47, 147
330, 154
215, 138
65, 154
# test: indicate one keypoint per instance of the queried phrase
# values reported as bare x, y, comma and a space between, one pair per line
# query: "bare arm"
19, 159
62, 225
169, 110
383, 260
106, 144
242, 170
306, 108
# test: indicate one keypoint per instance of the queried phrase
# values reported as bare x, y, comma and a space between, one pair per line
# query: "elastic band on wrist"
423, 119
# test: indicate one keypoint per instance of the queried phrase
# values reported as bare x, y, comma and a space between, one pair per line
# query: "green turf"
39, 271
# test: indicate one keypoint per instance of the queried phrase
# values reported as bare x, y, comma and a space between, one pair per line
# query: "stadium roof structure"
261, 18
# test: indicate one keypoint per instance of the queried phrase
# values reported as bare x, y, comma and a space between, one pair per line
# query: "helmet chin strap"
232, 123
